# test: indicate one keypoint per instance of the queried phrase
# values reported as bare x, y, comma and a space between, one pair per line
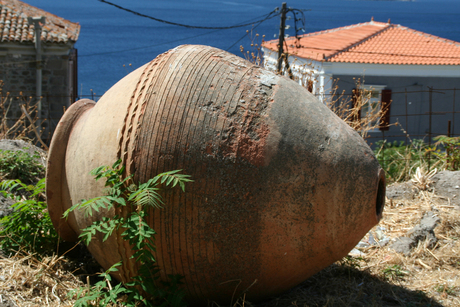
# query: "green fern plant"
137, 200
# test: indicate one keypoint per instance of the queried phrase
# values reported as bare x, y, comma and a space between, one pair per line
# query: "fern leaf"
148, 197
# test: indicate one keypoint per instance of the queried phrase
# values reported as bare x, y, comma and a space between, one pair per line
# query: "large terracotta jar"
282, 187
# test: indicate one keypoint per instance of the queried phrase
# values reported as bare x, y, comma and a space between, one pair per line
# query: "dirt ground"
412, 258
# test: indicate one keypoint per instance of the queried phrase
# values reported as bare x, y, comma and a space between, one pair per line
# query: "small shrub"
20, 165
400, 160
450, 155
29, 226
351, 111
137, 201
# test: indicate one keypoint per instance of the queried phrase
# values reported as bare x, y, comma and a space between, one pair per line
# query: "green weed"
449, 155
352, 262
29, 226
445, 289
137, 201
394, 272
20, 165
400, 160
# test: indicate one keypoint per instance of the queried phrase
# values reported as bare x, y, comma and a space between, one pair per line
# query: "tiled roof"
373, 43
14, 26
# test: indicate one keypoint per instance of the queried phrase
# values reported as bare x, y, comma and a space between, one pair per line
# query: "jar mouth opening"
57, 192
380, 199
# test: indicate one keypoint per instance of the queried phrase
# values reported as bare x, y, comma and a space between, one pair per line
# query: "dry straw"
19, 118
26, 281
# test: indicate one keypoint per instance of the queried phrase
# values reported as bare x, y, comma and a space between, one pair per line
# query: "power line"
266, 17
149, 46
253, 28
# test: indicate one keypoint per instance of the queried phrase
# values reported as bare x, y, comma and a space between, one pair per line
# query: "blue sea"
114, 42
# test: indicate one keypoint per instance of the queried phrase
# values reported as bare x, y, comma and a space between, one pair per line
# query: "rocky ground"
446, 186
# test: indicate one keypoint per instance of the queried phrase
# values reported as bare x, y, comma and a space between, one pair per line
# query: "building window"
310, 85
374, 103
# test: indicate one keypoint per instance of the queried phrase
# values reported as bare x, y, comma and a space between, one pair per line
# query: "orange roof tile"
14, 26
373, 43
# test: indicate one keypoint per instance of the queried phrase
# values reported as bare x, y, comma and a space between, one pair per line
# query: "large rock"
14, 145
447, 184
424, 231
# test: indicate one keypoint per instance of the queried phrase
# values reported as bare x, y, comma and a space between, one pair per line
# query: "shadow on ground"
342, 285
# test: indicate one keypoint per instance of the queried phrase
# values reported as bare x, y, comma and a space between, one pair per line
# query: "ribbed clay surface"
200, 109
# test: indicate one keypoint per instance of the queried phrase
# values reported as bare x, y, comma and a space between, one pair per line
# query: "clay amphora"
282, 187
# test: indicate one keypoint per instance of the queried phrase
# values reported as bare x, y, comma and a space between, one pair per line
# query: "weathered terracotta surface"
282, 188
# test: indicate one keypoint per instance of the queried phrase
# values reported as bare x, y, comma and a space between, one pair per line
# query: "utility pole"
281, 36
37, 22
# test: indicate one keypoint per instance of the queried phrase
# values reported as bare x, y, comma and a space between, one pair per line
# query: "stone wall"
18, 73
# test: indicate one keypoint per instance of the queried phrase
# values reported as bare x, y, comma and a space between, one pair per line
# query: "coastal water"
113, 42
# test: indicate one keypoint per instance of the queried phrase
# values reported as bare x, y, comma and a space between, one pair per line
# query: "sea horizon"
114, 42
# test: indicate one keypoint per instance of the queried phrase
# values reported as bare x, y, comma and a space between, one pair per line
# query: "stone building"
41, 71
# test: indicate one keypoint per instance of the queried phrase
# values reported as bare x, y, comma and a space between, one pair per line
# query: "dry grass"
26, 281
19, 118
254, 54
383, 277
350, 112
337, 101
429, 269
